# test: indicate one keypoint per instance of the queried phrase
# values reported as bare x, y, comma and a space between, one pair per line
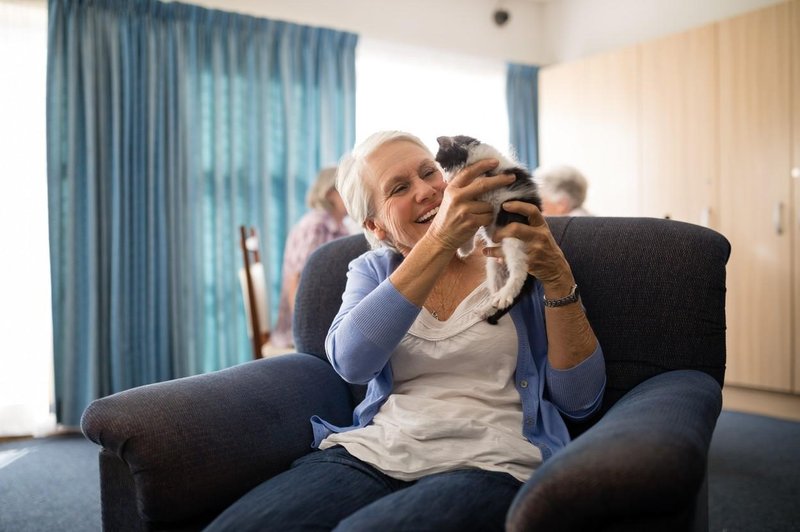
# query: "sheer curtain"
168, 126
25, 326
522, 88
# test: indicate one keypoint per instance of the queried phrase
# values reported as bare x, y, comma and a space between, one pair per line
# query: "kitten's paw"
486, 311
502, 299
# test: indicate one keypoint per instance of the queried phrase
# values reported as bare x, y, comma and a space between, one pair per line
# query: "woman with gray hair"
563, 189
323, 223
458, 413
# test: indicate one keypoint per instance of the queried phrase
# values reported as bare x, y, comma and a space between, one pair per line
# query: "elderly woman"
563, 190
458, 413
325, 221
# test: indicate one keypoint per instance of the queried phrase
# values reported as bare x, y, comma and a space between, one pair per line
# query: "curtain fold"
522, 97
168, 126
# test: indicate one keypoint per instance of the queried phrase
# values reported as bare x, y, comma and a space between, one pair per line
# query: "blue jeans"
332, 489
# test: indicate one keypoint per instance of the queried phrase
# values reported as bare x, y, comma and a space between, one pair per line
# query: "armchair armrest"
196, 444
644, 460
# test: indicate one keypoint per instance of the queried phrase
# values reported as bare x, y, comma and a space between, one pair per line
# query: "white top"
454, 404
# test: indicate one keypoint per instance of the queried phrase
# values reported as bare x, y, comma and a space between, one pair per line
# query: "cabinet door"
679, 91
795, 221
588, 118
755, 190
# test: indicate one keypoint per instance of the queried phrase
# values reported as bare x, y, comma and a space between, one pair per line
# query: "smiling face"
407, 187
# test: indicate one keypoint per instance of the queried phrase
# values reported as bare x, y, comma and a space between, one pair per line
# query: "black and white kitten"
506, 279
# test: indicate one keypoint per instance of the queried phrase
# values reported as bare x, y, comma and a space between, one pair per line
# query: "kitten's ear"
444, 142
375, 229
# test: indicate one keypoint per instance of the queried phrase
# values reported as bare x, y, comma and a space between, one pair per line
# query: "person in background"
325, 222
563, 190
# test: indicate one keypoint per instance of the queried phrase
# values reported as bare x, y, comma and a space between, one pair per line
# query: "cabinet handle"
777, 218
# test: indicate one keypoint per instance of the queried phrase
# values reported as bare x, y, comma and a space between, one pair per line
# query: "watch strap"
574, 296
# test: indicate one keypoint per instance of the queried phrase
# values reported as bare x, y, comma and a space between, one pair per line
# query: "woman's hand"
570, 339
461, 214
546, 261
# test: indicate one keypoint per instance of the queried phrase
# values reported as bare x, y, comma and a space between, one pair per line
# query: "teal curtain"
522, 98
168, 126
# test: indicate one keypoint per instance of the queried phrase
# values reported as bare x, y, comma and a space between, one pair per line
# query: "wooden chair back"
251, 278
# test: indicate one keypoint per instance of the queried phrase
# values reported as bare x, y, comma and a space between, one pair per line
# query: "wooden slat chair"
254, 291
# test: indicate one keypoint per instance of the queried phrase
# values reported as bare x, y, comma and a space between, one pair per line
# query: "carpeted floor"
49, 484
754, 474
52, 483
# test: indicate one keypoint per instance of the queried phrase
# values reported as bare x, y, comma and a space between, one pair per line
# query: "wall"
538, 32
464, 26
577, 28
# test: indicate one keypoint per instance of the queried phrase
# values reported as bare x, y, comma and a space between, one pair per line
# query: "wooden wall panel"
679, 125
795, 37
755, 195
589, 113
706, 118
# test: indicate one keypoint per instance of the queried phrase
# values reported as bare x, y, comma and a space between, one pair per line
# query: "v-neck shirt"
454, 404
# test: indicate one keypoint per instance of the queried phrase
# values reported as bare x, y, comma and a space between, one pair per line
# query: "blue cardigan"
374, 317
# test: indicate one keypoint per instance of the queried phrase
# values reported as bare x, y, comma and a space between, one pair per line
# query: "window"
26, 360
429, 93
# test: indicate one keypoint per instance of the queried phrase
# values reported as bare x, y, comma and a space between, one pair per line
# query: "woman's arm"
570, 338
383, 297
576, 367
372, 320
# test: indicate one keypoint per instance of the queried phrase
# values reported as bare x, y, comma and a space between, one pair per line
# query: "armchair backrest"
654, 292
319, 294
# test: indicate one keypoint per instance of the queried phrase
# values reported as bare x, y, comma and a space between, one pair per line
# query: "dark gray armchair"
175, 454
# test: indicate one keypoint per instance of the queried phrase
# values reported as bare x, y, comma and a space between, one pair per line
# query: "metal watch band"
573, 296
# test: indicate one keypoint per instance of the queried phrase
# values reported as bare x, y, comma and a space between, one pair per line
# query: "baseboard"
765, 403
7, 439
58, 430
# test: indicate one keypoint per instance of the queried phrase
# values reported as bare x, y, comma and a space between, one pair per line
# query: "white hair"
562, 182
352, 185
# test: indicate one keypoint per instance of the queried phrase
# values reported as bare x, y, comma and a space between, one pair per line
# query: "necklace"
446, 300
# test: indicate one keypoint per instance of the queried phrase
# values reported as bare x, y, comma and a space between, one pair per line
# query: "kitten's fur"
506, 280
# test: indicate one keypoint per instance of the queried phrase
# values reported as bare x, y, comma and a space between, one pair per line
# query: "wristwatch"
573, 296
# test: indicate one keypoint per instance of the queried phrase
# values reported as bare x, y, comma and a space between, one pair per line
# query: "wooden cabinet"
755, 194
679, 127
589, 119
795, 214
706, 126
